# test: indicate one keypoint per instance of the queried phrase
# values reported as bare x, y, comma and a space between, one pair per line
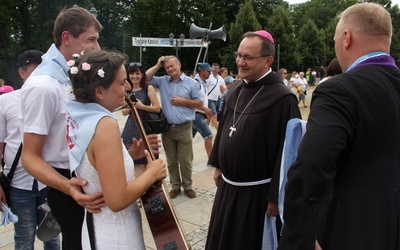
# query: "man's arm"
153, 70
193, 104
35, 165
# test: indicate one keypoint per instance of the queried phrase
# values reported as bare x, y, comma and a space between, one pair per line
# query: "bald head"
367, 18
362, 28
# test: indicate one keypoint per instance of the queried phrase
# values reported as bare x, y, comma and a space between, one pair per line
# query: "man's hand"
272, 209
2, 197
208, 112
93, 202
217, 176
178, 101
317, 246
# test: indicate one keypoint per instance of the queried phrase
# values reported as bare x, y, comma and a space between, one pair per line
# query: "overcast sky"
302, 1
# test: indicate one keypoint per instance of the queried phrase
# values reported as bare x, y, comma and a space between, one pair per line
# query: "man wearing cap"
248, 147
199, 124
180, 96
228, 84
26, 194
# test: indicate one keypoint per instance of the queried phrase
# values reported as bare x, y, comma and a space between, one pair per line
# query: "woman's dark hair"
134, 67
101, 72
334, 68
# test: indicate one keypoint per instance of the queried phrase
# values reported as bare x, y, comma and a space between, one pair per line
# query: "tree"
284, 36
245, 21
312, 47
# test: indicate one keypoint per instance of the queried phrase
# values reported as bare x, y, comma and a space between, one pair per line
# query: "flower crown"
85, 66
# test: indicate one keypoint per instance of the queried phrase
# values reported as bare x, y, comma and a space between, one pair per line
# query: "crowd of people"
341, 191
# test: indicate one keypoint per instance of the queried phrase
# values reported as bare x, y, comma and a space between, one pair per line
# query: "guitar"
160, 211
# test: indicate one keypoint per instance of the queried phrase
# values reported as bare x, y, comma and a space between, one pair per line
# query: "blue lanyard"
366, 57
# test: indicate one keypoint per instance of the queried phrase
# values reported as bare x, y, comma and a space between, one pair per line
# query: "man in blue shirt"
180, 96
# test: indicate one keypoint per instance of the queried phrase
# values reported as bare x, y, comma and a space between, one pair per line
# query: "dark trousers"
68, 213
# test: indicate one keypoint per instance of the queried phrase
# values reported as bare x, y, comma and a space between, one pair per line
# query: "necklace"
233, 127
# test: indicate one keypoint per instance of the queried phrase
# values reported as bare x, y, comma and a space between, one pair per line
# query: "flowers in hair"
74, 70
101, 73
85, 66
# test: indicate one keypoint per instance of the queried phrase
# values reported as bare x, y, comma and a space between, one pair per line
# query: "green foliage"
312, 47
303, 32
246, 20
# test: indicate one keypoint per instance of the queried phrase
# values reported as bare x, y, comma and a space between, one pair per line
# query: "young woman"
146, 100
98, 155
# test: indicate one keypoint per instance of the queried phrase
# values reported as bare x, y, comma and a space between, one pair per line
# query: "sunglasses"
135, 64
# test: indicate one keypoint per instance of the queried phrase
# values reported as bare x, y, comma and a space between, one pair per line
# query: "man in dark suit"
343, 189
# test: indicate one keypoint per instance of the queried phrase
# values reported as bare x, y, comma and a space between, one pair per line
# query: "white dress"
120, 230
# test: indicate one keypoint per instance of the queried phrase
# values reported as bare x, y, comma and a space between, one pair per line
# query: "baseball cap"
229, 79
48, 228
30, 57
6, 89
204, 66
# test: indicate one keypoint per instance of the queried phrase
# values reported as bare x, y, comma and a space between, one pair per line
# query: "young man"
215, 87
45, 150
248, 147
180, 96
26, 194
343, 189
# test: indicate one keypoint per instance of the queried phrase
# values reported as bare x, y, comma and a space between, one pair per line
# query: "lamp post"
178, 43
93, 11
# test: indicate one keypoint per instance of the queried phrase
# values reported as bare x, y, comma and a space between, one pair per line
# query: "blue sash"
54, 65
82, 120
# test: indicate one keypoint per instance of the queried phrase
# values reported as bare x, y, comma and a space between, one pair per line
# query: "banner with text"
165, 42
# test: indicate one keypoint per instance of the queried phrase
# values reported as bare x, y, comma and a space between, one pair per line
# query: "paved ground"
194, 214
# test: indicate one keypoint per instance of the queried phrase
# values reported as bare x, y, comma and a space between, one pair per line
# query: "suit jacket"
344, 187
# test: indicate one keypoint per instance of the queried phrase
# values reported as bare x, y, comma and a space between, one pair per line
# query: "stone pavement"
194, 214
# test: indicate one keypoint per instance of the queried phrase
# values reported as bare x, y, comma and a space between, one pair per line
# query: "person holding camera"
180, 96
145, 99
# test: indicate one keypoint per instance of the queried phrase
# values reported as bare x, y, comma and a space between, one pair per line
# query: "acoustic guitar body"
161, 216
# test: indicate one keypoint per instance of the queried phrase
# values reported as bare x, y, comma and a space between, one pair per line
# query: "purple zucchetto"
265, 34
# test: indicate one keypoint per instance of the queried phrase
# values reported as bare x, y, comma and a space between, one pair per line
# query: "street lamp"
181, 41
93, 11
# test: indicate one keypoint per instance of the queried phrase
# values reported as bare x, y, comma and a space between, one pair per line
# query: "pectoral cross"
233, 129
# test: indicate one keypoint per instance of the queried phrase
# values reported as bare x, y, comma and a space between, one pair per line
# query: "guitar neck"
140, 127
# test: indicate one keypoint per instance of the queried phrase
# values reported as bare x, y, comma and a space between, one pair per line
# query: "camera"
132, 97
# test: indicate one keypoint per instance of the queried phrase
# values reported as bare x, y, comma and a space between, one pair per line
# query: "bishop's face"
258, 65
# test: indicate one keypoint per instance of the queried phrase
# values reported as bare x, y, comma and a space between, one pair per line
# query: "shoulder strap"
213, 87
14, 164
2, 157
146, 93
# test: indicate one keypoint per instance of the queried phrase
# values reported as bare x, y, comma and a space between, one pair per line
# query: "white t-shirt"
43, 113
11, 135
216, 81
303, 83
205, 100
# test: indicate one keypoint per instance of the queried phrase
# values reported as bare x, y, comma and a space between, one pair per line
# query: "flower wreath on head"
85, 66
